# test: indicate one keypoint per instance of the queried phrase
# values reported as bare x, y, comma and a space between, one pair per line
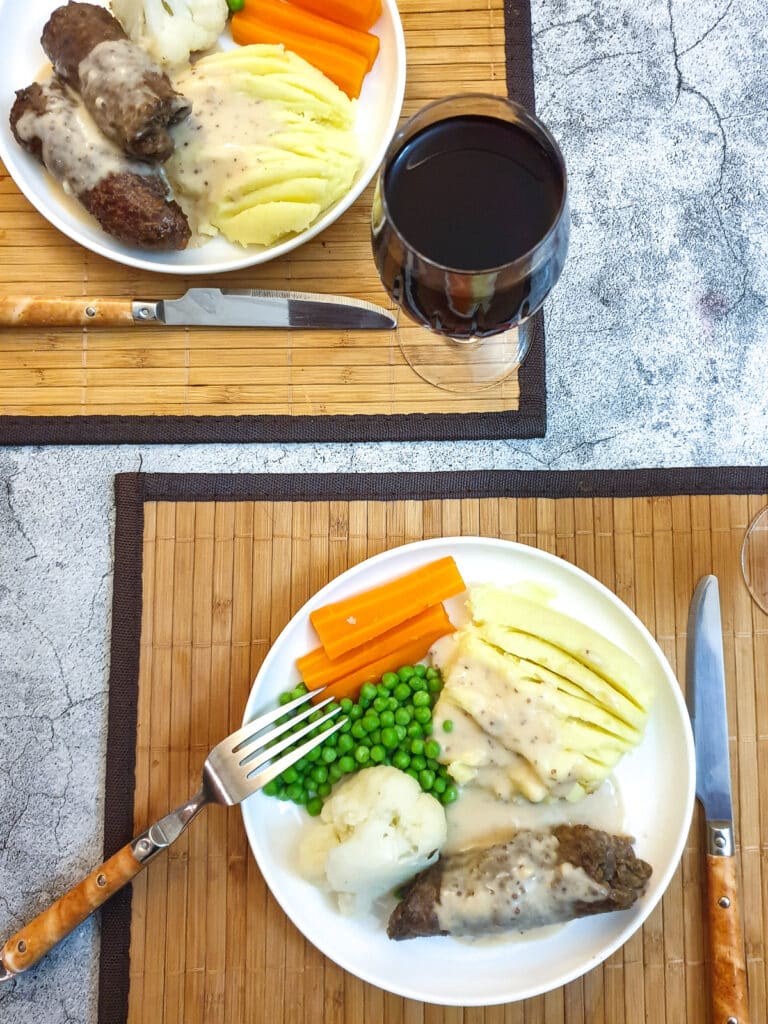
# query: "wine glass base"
754, 559
464, 366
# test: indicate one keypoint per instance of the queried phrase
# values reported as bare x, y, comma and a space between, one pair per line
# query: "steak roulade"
536, 878
129, 97
127, 198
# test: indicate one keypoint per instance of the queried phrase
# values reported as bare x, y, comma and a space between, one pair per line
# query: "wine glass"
469, 231
754, 559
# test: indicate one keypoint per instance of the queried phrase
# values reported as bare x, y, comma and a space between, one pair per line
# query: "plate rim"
649, 905
12, 157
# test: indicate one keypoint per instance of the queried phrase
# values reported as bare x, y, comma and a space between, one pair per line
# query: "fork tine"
278, 730
248, 732
261, 778
261, 756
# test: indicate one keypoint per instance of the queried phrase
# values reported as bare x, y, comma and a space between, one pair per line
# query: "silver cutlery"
237, 767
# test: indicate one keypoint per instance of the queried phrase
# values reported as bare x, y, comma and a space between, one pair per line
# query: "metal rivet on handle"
22, 946
731, 1020
90, 311
101, 880
719, 842
724, 902
144, 313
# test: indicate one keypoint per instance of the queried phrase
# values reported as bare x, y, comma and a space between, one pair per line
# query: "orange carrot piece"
344, 67
410, 654
356, 620
317, 669
283, 15
360, 14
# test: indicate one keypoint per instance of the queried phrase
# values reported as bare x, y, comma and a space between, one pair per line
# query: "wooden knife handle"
38, 311
38, 937
726, 943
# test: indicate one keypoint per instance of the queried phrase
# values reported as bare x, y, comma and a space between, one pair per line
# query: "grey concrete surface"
657, 344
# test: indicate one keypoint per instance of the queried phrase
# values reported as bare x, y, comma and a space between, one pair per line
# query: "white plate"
656, 783
21, 61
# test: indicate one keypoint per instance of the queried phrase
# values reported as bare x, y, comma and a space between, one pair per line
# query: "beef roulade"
129, 97
128, 198
536, 878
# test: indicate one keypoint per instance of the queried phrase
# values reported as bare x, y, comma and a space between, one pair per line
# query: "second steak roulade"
129, 97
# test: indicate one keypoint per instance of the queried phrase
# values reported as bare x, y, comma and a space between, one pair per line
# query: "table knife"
705, 679
201, 307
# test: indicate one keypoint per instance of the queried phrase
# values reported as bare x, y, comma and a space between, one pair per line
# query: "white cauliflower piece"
377, 830
169, 30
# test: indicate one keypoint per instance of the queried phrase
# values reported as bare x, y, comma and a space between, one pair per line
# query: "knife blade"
705, 686
202, 307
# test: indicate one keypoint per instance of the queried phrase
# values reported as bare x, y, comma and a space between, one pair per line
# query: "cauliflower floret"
169, 30
378, 829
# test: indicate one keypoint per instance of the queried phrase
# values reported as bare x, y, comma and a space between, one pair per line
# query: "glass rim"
525, 119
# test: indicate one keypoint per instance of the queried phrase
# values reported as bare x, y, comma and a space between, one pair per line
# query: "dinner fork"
237, 767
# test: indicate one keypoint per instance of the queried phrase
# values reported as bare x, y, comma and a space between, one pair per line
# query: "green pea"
362, 754
432, 749
415, 730
314, 806
432, 673
418, 684
284, 698
324, 789
272, 788
368, 691
346, 704
346, 764
380, 704
355, 712
426, 779
375, 737
403, 716
283, 794
390, 679
402, 692
295, 792
392, 704
387, 719
299, 691
389, 738
290, 775
418, 762
449, 795
235, 5
434, 685
422, 715
413, 773
335, 773
420, 670
319, 773
346, 743
417, 746
359, 730
439, 785
406, 672
433, 764
328, 755
448, 725
401, 760
421, 699
378, 753
370, 722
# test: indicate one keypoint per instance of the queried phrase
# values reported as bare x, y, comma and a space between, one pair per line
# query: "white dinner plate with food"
23, 61
651, 791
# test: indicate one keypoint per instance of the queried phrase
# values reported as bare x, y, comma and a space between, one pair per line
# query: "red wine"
464, 198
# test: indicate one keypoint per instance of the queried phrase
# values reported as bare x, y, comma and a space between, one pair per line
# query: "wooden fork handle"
726, 943
39, 311
38, 937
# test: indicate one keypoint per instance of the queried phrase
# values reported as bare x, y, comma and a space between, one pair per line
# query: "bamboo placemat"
208, 570
172, 386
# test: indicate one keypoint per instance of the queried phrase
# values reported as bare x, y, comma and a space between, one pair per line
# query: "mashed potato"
378, 829
268, 147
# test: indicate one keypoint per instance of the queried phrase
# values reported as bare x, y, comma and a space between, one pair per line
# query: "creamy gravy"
125, 66
214, 146
518, 884
478, 818
74, 150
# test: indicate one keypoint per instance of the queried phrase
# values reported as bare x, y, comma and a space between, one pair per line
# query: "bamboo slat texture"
453, 45
209, 943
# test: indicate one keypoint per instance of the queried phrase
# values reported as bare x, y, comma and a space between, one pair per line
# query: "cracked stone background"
657, 349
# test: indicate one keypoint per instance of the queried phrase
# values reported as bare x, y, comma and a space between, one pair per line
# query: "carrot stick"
317, 669
347, 624
282, 15
409, 654
344, 67
360, 14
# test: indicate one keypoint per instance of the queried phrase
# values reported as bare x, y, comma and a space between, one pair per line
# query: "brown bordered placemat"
638, 531
134, 376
